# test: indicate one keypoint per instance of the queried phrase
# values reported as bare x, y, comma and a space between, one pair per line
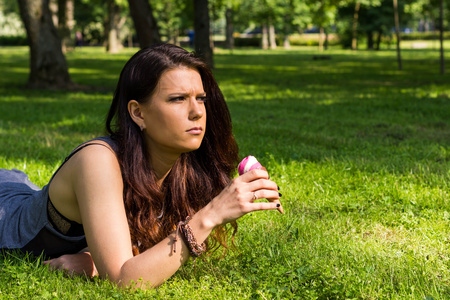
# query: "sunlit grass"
360, 150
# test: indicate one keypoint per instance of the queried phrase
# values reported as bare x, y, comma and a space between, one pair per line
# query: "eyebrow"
185, 94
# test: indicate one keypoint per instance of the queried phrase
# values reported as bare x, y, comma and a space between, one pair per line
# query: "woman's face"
175, 116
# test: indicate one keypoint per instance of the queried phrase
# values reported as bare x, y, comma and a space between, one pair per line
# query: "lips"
195, 130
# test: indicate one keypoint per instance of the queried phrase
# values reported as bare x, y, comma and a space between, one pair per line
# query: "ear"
134, 109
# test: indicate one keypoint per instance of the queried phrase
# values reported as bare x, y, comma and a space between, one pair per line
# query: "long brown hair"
196, 177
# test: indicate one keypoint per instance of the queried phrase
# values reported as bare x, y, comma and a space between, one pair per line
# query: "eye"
202, 99
176, 99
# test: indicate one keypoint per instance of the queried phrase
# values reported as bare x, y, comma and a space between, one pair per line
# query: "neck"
162, 166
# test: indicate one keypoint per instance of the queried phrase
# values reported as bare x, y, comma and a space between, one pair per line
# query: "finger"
264, 206
277, 201
264, 168
264, 184
270, 195
265, 194
254, 175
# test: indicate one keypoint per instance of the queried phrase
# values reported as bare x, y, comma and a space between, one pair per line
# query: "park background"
351, 118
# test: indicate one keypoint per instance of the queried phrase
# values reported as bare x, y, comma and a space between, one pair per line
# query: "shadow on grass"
285, 104
45, 125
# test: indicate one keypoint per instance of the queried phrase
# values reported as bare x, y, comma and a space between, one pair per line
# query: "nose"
196, 109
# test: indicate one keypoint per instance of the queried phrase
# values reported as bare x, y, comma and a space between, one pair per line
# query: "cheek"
164, 116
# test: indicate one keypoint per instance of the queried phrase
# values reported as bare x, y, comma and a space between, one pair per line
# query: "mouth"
195, 130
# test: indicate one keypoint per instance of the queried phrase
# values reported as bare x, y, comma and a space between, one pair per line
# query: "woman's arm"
80, 263
97, 184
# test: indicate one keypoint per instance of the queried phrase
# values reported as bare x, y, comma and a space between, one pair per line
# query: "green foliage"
8, 6
360, 150
10, 23
13, 40
413, 36
91, 17
373, 17
170, 17
247, 42
285, 15
312, 39
323, 13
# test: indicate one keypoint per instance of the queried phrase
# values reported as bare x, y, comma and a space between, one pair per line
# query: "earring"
142, 127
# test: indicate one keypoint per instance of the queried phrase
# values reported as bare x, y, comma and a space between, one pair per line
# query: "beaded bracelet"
195, 249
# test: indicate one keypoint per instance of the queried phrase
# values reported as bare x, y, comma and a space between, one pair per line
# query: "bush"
13, 40
423, 36
247, 42
311, 39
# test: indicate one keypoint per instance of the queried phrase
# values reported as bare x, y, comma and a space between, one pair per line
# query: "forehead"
178, 77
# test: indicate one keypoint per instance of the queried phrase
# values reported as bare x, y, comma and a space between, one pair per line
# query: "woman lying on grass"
148, 195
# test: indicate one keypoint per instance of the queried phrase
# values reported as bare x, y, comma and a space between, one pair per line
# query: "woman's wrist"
205, 220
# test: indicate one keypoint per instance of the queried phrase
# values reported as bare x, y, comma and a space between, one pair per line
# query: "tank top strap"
108, 140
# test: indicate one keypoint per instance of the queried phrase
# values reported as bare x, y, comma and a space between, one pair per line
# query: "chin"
191, 148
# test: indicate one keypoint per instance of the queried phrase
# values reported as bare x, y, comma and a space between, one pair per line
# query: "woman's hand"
74, 264
238, 198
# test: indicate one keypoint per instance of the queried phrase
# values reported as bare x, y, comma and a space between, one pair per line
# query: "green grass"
360, 150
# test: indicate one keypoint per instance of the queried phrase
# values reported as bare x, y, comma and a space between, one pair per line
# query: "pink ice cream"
250, 163
247, 164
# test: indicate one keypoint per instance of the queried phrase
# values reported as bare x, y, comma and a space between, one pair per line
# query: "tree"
262, 13
113, 25
376, 17
10, 22
169, 14
144, 22
323, 16
430, 15
48, 66
202, 40
291, 15
65, 23
229, 28
441, 34
365, 5
355, 25
397, 32
365, 17
90, 20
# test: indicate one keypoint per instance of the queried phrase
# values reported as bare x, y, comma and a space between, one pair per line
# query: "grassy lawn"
360, 150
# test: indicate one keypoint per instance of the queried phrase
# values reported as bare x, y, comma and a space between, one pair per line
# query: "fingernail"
279, 194
278, 204
278, 187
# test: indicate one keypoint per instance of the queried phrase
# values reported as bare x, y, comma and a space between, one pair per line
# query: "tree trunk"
321, 38
48, 66
113, 27
229, 39
264, 37
173, 35
397, 32
286, 42
370, 40
145, 24
379, 36
286, 32
65, 23
441, 34
272, 36
355, 26
130, 40
202, 41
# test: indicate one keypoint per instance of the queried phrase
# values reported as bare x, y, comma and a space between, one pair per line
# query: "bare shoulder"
96, 152
95, 163
95, 168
